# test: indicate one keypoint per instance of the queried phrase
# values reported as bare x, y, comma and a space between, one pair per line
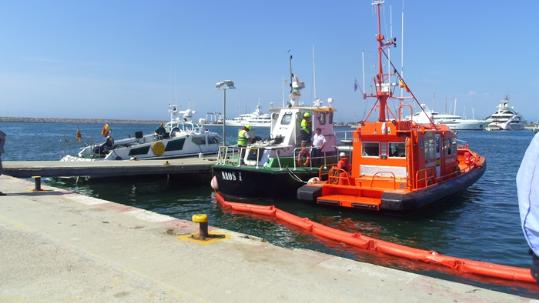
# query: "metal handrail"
334, 175
385, 172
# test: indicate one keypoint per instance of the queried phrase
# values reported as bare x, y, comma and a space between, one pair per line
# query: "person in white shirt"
528, 200
319, 141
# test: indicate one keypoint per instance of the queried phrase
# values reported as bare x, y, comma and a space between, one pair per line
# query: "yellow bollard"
202, 220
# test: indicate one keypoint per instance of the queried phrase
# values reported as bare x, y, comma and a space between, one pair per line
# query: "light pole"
224, 85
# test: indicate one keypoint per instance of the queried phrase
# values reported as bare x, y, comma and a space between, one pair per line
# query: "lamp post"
224, 85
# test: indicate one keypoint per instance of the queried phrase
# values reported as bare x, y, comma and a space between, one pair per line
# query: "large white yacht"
505, 118
453, 121
180, 138
255, 119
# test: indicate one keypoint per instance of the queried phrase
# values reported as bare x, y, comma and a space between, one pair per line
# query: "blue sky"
130, 59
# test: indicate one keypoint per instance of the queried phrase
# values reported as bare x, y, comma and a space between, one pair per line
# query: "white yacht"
255, 119
212, 119
505, 118
453, 121
180, 138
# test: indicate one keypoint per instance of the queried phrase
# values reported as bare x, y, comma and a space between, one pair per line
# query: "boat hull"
402, 202
467, 125
423, 198
255, 183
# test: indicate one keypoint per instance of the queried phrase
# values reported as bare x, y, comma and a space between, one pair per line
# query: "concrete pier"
59, 246
182, 166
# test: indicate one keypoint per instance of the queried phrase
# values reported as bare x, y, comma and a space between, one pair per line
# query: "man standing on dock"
528, 200
2, 142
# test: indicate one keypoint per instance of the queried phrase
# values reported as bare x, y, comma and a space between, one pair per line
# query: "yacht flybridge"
505, 118
255, 119
181, 138
396, 163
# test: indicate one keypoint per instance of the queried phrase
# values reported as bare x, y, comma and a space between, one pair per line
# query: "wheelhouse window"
213, 140
397, 150
175, 144
199, 140
322, 118
371, 149
285, 120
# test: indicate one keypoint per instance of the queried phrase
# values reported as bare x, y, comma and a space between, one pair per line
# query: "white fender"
213, 183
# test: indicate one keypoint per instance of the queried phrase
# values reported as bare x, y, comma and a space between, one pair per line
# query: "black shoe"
2, 194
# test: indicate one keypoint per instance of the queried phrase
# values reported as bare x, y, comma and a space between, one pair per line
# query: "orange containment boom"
464, 266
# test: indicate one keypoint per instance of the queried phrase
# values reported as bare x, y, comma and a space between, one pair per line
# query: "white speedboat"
181, 138
255, 119
454, 122
505, 118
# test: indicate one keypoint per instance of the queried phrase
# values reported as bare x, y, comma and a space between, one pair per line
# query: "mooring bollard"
37, 183
202, 219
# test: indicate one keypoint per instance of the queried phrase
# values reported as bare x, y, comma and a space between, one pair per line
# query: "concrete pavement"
58, 246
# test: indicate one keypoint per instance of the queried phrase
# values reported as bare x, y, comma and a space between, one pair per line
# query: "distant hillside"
75, 121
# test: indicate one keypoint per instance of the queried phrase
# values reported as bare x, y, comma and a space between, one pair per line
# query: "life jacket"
305, 126
242, 141
343, 164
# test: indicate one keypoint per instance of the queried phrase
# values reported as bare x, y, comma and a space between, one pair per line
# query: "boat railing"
232, 155
401, 111
322, 159
382, 174
426, 175
337, 176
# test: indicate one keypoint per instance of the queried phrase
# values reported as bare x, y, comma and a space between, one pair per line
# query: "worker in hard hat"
244, 137
343, 162
306, 128
343, 169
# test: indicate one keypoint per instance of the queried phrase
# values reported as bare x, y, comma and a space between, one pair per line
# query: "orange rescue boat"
397, 164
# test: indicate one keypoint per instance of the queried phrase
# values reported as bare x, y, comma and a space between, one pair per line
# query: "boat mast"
382, 95
402, 46
291, 73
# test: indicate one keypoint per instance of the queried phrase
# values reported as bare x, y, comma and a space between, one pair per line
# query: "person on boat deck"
343, 162
161, 131
244, 137
306, 128
2, 142
319, 141
528, 201
304, 155
345, 166
108, 145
